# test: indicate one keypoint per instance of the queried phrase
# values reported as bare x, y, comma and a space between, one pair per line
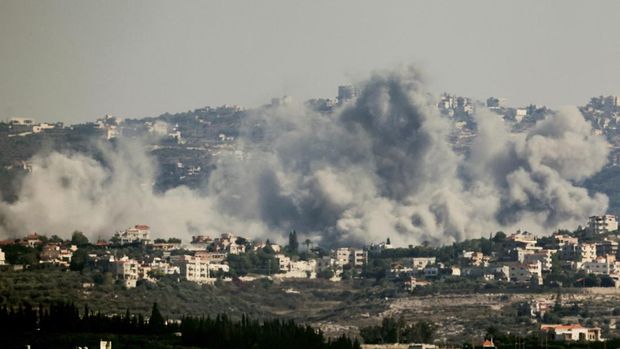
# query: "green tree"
157, 324
56, 239
499, 237
293, 244
79, 239
78, 260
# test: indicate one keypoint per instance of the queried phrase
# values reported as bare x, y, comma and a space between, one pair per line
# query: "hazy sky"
77, 60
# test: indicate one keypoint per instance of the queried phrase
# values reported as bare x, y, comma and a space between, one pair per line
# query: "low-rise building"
523, 238
411, 283
56, 254
166, 246
296, 269
212, 257
419, 263
562, 240
572, 333
160, 265
32, 240
431, 271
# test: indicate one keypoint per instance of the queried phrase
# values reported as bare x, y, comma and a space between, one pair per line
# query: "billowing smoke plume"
380, 167
67, 192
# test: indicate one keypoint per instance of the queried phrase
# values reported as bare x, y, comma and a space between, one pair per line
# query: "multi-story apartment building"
195, 269
138, 234
607, 247
126, 270
603, 224
353, 257
587, 252
602, 265
544, 256
521, 273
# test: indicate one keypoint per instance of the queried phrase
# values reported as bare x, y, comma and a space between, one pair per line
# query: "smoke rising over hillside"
379, 167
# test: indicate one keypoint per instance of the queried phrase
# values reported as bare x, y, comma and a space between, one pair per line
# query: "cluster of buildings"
202, 260
526, 259
21, 127
205, 258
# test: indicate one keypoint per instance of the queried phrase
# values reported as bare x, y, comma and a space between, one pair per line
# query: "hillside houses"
56, 253
520, 259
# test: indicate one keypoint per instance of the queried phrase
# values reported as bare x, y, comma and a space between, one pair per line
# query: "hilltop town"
188, 145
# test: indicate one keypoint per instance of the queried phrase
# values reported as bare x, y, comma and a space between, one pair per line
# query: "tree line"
215, 333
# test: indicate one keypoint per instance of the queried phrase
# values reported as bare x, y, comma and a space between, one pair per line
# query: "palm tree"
308, 243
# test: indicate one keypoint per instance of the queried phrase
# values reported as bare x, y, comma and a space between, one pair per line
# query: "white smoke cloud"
380, 167
67, 192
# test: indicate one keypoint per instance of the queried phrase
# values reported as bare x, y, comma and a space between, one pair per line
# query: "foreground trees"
220, 332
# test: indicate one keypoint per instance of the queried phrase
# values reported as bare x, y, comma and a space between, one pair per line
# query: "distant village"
524, 259
584, 258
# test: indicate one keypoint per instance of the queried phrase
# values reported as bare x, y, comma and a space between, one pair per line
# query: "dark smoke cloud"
379, 167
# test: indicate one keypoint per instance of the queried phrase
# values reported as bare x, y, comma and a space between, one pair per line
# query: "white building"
42, 127
2, 257
296, 269
603, 224
283, 262
138, 234
419, 263
544, 256
522, 273
164, 267
196, 270
525, 238
520, 113
587, 252
602, 265
572, 333
353, 257
126, 270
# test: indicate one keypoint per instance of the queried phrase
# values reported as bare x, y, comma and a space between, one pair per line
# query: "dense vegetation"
26, 325
398, 331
